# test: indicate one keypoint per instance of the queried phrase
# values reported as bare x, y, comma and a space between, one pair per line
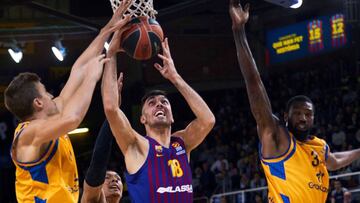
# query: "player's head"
156, 110
112, 186
299, 116
26, 95
337, 184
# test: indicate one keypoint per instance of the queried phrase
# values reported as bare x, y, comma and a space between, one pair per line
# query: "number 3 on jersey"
175, 168
316, 160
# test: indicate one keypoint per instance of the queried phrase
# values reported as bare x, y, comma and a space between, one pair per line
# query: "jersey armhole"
285, 156
327, 150
133, 176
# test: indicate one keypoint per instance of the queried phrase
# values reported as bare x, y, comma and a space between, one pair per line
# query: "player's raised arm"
79, 70
197, 130
268, 129
124, 134
74, 111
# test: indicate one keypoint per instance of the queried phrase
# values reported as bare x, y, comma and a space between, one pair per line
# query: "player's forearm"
245, 57
95, 175
196, 103
93, 50
346, 158
259, 101
80, 101
76, 77
109, 87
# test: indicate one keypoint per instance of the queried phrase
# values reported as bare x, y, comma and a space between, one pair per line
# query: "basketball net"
137, 8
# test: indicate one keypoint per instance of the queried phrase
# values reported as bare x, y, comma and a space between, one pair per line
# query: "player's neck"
161, 135
112, 199
38, 115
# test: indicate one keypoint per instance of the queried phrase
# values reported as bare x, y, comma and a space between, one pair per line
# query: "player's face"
337, 185
45, 101
300, 119
302, 116
157, 112
112, 186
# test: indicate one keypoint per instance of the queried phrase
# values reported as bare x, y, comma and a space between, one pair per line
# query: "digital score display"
307, 38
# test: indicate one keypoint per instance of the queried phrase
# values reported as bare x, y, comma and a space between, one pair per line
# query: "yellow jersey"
53, 178
300, 174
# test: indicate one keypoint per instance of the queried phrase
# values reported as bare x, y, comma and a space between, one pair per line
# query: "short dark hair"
298, 99
20, 93
152, 93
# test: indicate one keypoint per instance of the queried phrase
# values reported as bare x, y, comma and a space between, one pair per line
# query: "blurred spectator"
258, 198
207, 180
340, 194
338, 138
220, 163
257, 181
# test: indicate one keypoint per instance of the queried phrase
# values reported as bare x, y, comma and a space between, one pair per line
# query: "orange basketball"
143, 39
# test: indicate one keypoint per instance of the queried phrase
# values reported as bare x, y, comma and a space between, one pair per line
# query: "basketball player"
42, 152
103, 186
157, 164
295, 162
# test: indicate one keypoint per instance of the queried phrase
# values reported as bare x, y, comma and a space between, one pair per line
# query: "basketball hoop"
138, 8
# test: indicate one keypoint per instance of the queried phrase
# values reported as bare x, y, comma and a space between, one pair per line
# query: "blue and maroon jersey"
165, 176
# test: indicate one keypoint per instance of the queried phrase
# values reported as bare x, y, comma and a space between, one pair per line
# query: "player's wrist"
238, 27
175, 78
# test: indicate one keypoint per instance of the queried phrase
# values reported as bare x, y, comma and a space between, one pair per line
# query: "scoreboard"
312, 37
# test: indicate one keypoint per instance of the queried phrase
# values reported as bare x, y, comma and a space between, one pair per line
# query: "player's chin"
302, 129
162, 123
115, 193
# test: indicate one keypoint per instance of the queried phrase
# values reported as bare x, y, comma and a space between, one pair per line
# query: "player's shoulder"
317, 140
24, 133
176, 138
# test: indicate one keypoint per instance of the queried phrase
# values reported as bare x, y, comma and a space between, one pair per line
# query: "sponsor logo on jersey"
320, 176
175, 144
178, 148
180, 152
172, 189
159, 155
318, 187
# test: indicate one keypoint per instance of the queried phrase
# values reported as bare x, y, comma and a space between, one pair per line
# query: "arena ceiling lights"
297, 5
59, 50
15, 53
287, 3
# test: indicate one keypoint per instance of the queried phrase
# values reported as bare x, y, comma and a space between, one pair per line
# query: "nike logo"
159, 155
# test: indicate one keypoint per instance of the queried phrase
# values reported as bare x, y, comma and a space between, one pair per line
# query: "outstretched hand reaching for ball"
168, 69
117, 20
115, 44
239, 16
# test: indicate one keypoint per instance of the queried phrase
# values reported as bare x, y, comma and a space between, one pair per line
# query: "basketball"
143, 39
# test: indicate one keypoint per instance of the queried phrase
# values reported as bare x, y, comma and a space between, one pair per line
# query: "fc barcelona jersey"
53, 178
300, 174
164, 177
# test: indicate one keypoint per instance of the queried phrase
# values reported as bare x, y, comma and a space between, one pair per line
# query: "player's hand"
239, 16
168, 69
115, 44
96, 66
115, 22
120, 86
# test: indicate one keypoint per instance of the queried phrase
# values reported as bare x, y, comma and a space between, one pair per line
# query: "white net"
137, 8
